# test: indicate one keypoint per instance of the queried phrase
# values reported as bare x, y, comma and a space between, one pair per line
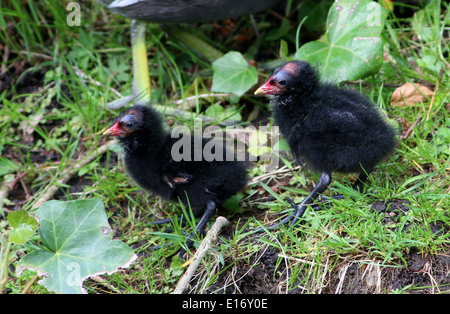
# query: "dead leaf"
276, 187
410, 94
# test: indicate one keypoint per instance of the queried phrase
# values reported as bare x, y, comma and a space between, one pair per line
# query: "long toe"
298, 214
164, 221
325, 202
157, 247
189, 242
274, 226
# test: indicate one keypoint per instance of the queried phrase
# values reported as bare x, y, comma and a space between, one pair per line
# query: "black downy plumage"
149, 161
333, 129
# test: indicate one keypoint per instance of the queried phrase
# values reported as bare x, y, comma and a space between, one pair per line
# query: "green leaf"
232, 74
217, 111
352, 47
23, 226
283, 145
78, 244
284, 49
256, 143
232, 204
316, 11
275, 34
214, 110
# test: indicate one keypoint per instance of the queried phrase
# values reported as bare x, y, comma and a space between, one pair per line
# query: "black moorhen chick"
333, 129
149, 161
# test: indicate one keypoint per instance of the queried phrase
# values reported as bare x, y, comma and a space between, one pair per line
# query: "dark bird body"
195, 183
185, 11
149, 161
333, 129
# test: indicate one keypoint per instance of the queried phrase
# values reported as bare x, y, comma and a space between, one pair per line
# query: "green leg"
141, 76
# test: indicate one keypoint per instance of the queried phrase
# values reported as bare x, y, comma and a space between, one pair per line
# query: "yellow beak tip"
104, 132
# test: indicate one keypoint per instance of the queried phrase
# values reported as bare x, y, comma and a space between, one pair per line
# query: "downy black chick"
150, 162
333, 129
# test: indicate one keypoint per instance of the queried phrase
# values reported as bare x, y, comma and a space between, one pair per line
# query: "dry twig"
205, 246
69, 173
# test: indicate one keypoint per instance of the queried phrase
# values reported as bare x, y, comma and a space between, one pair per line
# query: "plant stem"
4, 254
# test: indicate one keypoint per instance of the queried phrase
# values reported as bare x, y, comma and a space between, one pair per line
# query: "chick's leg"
321, 186
299, 210
358, 185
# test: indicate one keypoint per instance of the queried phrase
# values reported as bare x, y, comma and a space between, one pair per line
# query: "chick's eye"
282, 82
127, 122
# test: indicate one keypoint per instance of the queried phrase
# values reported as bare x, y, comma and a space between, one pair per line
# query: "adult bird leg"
141, 78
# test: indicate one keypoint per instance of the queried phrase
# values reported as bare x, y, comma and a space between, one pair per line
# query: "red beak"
268, 89
115, 130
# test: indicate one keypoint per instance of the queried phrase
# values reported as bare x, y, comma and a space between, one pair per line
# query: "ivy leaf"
23, 226
219, 112
214, 110
233, 74
352, 47
78, 244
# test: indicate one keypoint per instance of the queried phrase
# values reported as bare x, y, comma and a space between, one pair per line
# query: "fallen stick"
69, 173
405, 136
205, 246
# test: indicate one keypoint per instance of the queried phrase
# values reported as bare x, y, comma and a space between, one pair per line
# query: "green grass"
53, 119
